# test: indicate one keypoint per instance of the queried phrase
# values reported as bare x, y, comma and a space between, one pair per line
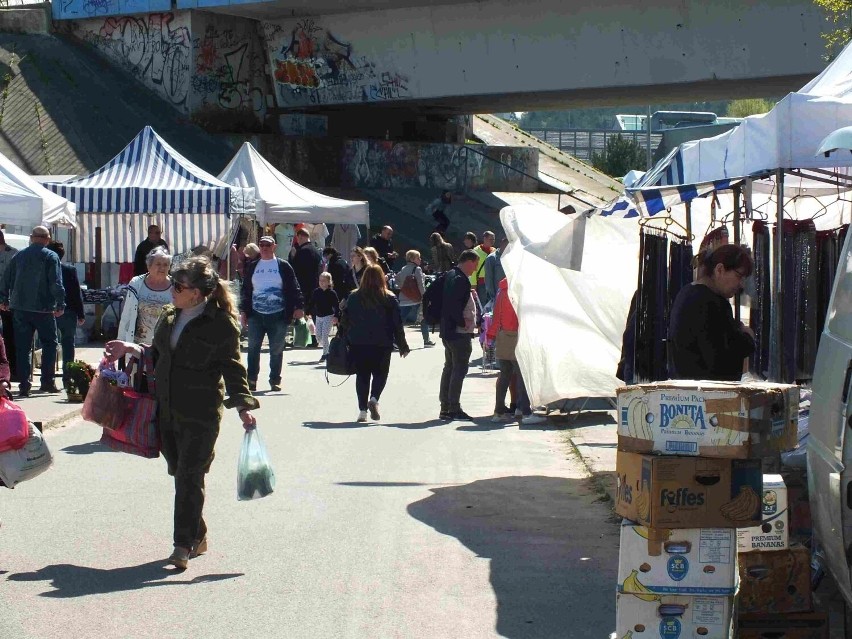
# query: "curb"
56, 422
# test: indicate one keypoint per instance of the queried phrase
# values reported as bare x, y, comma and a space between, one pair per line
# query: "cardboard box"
670, 616
690, 561
775, 582
708, 419
773, 533
688, 492
802, 625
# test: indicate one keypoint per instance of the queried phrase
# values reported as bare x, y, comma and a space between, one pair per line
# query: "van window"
840, 314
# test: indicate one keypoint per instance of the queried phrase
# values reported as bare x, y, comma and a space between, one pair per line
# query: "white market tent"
147, 182
281, 200
24, 202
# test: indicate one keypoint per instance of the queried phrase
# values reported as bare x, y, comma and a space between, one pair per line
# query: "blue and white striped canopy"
150, 177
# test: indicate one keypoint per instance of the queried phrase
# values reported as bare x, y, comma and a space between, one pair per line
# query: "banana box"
775, 582
652, 616
694, 561
773, 533
708, 419
688, 492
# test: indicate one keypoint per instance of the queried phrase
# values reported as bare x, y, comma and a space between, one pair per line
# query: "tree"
753, 106
838, 13
620, 157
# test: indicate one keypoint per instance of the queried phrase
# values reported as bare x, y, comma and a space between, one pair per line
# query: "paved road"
413, 528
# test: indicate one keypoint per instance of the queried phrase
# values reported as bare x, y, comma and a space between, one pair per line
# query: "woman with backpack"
371, 323
411, 293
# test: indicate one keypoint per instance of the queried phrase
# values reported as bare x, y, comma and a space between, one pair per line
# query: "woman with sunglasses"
705, 341
196, 346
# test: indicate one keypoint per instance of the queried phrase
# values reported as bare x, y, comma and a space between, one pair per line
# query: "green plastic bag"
255, 478
302, 338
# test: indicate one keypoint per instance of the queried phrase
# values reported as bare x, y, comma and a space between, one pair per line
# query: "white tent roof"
280, 199
787, 137
25, 202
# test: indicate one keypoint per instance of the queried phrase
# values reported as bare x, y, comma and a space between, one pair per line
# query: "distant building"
666, 120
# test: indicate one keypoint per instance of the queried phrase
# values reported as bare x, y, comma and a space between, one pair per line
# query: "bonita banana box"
688, 492
672, 617
689, 561
773, 533
708, 419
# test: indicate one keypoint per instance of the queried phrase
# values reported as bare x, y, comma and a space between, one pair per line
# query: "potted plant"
79, 376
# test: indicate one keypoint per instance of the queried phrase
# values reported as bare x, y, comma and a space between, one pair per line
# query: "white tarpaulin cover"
571, 321
25, 202
280, 199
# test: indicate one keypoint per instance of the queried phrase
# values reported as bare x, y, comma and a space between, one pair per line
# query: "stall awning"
655, 199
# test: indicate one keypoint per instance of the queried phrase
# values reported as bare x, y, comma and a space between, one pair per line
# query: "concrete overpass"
446, 57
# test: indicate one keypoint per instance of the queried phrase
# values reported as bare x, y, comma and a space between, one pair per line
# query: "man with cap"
32, 288
269, 301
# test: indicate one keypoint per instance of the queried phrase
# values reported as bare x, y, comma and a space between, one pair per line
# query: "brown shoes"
200, 549
180, 557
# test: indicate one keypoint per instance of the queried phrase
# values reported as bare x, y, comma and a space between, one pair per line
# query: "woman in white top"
146, 296
409, 307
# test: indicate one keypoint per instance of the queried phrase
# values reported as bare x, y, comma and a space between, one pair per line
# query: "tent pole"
688, 206
776, 354
737, 297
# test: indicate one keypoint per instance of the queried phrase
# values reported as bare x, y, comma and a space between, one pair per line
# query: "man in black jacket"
341, 274
154, 239
306, 262
74, 314
269, 301
458, 326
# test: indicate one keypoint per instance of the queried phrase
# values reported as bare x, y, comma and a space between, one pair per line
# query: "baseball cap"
266, 238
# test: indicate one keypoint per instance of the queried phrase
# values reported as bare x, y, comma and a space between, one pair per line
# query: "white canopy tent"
281, 200
26, 203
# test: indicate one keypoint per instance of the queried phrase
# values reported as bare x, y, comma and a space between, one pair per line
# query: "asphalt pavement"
410, 528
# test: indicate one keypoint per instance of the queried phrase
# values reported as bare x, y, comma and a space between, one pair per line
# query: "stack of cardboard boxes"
689, 474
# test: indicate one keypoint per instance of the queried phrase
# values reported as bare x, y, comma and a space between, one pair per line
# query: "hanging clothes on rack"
651, 309
799, 299
760, 319
680, 269
827, 254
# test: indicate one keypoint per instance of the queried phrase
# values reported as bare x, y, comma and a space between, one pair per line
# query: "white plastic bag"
312, 329
255, 478
27, 462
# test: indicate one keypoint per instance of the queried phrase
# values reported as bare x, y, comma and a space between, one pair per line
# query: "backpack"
433, 300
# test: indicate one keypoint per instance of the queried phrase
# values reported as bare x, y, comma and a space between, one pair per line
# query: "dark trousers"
28, 323
9, 339
456, 362
442, 221
509, 370
372, 365
67, 327
409, 316
189, 527
275, 329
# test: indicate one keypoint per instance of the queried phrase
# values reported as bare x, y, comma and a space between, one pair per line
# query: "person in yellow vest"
477, 278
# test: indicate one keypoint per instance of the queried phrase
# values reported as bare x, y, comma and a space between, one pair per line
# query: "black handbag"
339, 360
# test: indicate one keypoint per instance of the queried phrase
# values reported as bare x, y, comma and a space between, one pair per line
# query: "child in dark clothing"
324, 307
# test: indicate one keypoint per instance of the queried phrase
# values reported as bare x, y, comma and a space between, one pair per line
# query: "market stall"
24, 203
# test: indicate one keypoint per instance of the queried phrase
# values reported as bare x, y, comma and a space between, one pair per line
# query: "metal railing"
583, 143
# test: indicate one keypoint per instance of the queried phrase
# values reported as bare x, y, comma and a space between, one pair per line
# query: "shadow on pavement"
415, 426
547, 542
382, 484
79, 581
342, 425
87, 449
485, 426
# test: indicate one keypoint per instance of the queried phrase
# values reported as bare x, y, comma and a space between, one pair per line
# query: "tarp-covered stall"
147, 182
281, 200
26, 203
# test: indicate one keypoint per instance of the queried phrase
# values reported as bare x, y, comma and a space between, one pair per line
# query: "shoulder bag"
506, 343
410, 287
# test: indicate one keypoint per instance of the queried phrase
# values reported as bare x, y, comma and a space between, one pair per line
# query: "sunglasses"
180, 287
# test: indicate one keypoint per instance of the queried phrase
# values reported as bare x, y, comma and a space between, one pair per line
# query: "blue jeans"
67, 327
409, 316
26, 324
274, 327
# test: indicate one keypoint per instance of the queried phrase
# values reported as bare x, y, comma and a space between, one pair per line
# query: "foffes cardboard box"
802, 625
773, 532
775, 582
708, 419
688, 492
694, 561
672, 616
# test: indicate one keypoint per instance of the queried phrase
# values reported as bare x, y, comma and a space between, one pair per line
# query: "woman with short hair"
146, 296
410, 308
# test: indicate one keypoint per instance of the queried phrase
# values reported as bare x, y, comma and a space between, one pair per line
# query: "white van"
830, 440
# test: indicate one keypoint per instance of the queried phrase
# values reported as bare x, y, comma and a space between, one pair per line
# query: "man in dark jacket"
458, 326
270, 299
383, 243
306, 263
341, 274
154, 239
74, 315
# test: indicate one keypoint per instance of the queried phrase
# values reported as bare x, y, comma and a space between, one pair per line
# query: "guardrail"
583, 143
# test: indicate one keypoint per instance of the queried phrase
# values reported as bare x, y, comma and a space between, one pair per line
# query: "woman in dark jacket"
371, 323
706, 341
196, 346
341, 274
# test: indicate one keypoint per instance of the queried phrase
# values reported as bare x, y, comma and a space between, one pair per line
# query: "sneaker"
275, 387
324, 357
500, 417
48, 388
252, 386
179, 558
373, 405
460, 416
519, 413
362, 416
530, 420
428, 344
199, 549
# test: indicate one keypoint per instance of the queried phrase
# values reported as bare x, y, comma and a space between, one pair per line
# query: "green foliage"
753, 106
839, 14
620, 157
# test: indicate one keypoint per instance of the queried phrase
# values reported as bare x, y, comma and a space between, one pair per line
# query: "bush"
620, 157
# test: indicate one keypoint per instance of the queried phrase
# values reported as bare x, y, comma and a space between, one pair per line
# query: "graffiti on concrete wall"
382, 164
229, 65
311, 65
156, 48
78, 9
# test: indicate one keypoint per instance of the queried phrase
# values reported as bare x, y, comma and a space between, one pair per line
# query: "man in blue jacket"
458, 326
32, 288
270, 300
